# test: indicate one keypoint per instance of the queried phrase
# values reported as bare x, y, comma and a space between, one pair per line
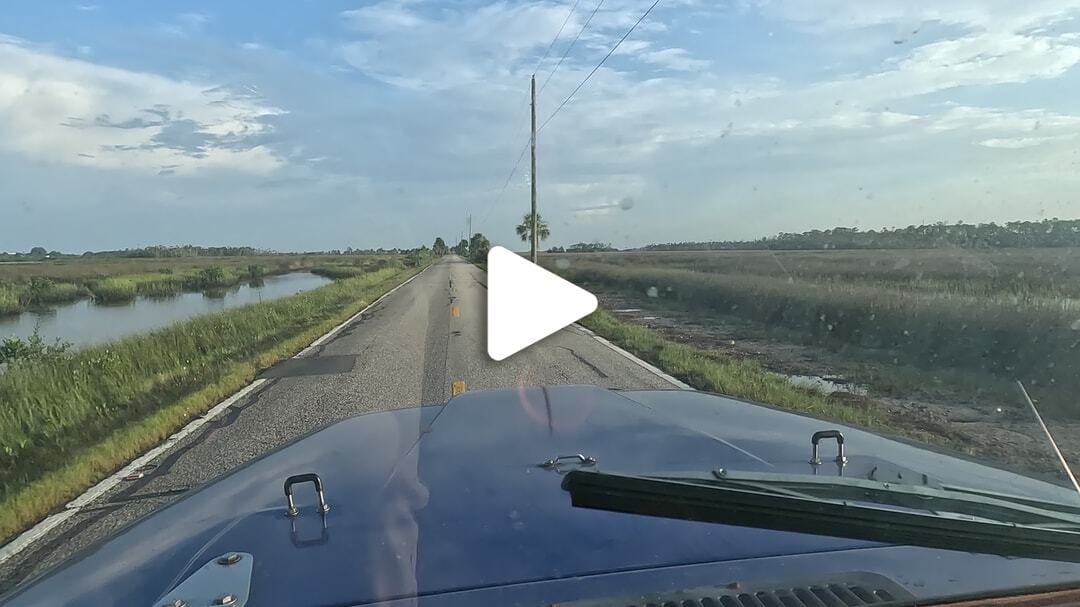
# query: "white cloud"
460, 48
193, 20
674, 59
74, 112
86, 8
1017, 143
1006, 15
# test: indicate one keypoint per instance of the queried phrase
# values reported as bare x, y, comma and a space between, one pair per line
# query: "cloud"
674, 59
460, 48
86, 8
832, 15
193, 20
185, 25
72, 111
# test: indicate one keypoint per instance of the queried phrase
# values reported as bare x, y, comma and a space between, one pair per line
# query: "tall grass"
118, 280
1051, 272
116, 289
10, 300
18, 296
1035, 339
53, 410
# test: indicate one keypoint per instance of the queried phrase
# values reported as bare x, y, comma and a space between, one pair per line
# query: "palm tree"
524, 229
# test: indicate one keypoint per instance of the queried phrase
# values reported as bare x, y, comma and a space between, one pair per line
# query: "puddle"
828, 385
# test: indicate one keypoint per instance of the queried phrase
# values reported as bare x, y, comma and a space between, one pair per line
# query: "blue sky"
317, 124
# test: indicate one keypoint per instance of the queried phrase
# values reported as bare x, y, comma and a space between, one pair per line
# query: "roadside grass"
340, 271
748, 380
740, 378
1032, 340
67, 423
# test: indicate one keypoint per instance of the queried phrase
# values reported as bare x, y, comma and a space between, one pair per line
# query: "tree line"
1014, 234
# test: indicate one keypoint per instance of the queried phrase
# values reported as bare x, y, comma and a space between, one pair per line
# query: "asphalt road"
414, 347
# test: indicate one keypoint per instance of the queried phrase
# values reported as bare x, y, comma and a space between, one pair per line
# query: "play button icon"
526, 303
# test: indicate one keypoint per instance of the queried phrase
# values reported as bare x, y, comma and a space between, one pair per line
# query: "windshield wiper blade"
786, 503
933, 496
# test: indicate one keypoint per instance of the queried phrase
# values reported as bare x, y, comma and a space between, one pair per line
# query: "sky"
321, 124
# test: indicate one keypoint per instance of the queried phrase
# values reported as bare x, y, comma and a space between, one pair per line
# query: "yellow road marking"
457, 387
455, 312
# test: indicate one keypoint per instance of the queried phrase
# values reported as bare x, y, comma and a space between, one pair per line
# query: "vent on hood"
843, 590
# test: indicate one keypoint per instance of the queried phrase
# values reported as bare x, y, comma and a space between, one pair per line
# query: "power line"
572, 43
556, 38
598, 65
506, 184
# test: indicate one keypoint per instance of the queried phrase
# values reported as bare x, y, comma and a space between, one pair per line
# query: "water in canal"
85, 322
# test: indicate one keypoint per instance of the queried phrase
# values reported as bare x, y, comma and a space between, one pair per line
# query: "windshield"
224, 226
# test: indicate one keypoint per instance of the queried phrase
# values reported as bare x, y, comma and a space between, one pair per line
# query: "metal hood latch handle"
310, 477
816, 438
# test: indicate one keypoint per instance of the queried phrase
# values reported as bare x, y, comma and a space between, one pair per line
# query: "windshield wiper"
952, 518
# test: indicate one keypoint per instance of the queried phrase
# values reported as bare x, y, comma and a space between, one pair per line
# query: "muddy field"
989, 425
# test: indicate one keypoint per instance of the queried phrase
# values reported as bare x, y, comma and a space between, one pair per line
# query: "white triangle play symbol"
526, 303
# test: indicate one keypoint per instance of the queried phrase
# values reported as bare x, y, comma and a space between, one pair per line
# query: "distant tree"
589, 247
439, 248
479, 246
38, 252
1045, 233
462, 248
524, 229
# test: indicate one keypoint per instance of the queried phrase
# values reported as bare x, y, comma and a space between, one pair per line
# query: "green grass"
16, 297
740, 378
115, 289
1026, 272
67, 423
1033, 339
23, 286
10, 299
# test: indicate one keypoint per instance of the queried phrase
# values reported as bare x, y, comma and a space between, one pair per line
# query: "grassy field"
25, 285
71, 420
1003, 313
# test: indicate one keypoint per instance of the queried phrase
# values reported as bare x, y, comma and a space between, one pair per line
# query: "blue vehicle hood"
448, 500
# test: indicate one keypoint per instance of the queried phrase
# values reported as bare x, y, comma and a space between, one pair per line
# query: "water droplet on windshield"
562, 263
654, 292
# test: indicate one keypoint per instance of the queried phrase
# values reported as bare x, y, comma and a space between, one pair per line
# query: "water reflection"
85, 322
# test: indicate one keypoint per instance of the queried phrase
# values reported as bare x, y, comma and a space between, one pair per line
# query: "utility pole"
468, 222
532, 179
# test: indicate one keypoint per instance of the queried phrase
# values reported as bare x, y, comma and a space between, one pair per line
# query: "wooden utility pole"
532, 178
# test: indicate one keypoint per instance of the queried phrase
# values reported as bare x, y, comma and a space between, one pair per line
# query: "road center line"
457, 387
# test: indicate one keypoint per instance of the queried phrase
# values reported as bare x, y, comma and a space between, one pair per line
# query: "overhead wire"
598, 65
570, 46
557, 34
521, 155
506, 184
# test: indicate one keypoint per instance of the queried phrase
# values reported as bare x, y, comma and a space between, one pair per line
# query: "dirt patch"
1005, 435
